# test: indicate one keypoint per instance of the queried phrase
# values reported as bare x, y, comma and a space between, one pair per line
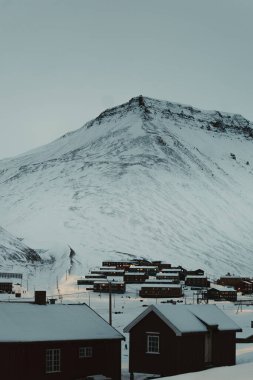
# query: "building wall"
201, 282
177, 354
27, 360
214, 294
6, 287
223, 348
160, 292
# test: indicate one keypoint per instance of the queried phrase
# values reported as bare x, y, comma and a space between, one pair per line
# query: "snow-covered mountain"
148, 178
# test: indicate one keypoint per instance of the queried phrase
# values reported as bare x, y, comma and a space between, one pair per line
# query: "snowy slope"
148, 178
12, 250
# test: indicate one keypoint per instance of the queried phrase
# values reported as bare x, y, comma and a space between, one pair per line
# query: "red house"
198, 281
168, 340
63, 342
161, 291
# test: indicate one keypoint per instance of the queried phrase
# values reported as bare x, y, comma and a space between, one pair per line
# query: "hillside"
148, 178
12, 250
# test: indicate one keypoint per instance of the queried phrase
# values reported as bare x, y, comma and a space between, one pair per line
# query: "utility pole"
110, 303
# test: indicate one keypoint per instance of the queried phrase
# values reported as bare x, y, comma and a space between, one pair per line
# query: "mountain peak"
150, 109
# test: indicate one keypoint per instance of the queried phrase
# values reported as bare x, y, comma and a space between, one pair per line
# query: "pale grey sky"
64, 61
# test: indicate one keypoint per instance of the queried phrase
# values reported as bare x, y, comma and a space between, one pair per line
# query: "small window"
85, 352
153, 344
53, 357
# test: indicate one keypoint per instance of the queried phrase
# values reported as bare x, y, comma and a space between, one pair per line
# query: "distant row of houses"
160, 280
41, 341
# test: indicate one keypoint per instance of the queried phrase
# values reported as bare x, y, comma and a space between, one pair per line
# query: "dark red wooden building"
169, 276
173, 339
6, 287
109, 272
135, 277
230, 280
197, 281
63, 342
160, 291
221, 293
104, 286
149, 270
246, 287
117, 264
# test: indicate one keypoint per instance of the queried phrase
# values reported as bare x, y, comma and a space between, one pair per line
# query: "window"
53, 360
85, 352
153, 344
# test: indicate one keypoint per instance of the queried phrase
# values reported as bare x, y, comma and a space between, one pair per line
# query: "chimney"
40, 297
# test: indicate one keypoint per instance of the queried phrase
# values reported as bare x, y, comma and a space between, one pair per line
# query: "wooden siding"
27, 360
6, 287
177, 354
160, 291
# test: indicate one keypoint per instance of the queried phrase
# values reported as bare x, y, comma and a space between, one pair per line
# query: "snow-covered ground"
238, 372
127, 306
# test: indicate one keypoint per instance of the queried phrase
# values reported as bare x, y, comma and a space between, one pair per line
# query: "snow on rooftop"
23, 322
223, 288
212, 315
143, 266
159, 281
195, 276
160, 285
183, 319
179, 320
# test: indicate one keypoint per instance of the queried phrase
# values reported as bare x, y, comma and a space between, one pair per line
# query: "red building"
198, 281
221, 293
109, 272
168, 340
160, 291
5, 286
169, 276
149, 270
117, 264
104, 286
246, 287
135, 277
63, 342
229, 280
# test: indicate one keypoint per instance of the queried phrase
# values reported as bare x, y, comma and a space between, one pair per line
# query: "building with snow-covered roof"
197, 281
169, 340
149, 270
174, 276
135, 277
231, 280
160, 290
221, 293
105, 286
60, 341
5, 286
